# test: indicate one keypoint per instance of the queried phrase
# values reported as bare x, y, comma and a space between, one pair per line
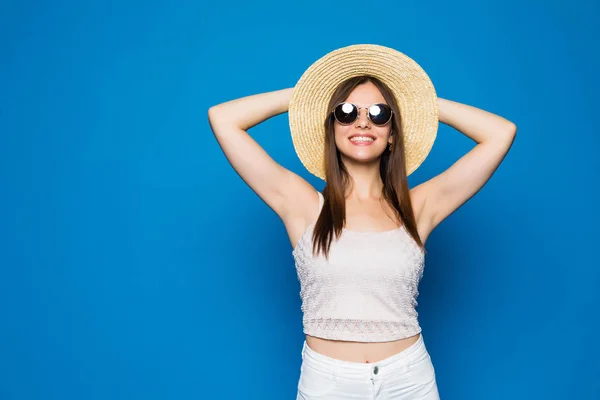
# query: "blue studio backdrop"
136, 264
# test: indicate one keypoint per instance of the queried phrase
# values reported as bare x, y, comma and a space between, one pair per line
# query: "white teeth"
361, 139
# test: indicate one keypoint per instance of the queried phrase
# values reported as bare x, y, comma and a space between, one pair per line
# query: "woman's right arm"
286, 193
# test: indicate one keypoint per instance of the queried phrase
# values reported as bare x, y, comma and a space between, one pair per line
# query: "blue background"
135, 263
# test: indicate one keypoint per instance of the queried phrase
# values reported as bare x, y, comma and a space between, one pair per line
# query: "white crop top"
366, 292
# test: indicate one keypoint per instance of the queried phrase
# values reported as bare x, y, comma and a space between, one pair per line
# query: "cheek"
342, 129
341, 133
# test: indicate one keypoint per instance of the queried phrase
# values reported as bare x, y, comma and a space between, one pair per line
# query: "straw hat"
411, 86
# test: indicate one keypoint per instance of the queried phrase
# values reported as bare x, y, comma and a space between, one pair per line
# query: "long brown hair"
392, 171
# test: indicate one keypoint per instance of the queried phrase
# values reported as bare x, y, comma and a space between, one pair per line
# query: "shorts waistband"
399, 361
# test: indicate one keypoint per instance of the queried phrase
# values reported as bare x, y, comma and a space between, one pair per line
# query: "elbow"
504, 135
212, 112
512, 132
509, 134
214, 118
512, 129
215, 115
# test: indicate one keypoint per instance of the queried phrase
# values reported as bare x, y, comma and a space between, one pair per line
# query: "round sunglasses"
346, 113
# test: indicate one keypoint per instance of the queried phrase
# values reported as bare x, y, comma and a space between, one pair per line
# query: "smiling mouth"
362, 140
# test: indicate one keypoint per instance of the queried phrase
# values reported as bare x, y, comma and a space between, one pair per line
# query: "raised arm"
282, 190
442, 195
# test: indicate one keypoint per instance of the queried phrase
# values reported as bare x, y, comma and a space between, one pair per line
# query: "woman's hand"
478, 124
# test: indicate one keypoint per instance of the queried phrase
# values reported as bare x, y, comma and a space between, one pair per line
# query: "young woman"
359, 245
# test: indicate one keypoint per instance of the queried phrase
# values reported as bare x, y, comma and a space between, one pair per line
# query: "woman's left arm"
494, 135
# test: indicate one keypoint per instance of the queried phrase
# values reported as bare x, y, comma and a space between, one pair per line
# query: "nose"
363, 120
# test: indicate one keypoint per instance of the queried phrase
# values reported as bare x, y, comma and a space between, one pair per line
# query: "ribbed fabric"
367, 291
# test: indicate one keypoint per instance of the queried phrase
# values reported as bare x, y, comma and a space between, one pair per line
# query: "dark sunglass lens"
380, 113
345, 113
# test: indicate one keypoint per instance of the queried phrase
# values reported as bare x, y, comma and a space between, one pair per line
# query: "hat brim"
412, 88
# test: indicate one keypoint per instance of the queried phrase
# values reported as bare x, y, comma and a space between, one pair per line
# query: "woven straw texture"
412, 89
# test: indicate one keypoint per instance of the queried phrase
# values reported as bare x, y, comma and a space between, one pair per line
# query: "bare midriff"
360, 352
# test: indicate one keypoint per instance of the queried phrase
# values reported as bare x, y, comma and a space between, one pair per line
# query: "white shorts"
405, 375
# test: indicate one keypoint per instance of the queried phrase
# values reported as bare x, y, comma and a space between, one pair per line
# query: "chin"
362, 156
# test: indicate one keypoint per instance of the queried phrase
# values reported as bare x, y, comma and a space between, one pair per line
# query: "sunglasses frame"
358, 113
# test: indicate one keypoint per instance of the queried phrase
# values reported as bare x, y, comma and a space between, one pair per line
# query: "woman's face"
363, 151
